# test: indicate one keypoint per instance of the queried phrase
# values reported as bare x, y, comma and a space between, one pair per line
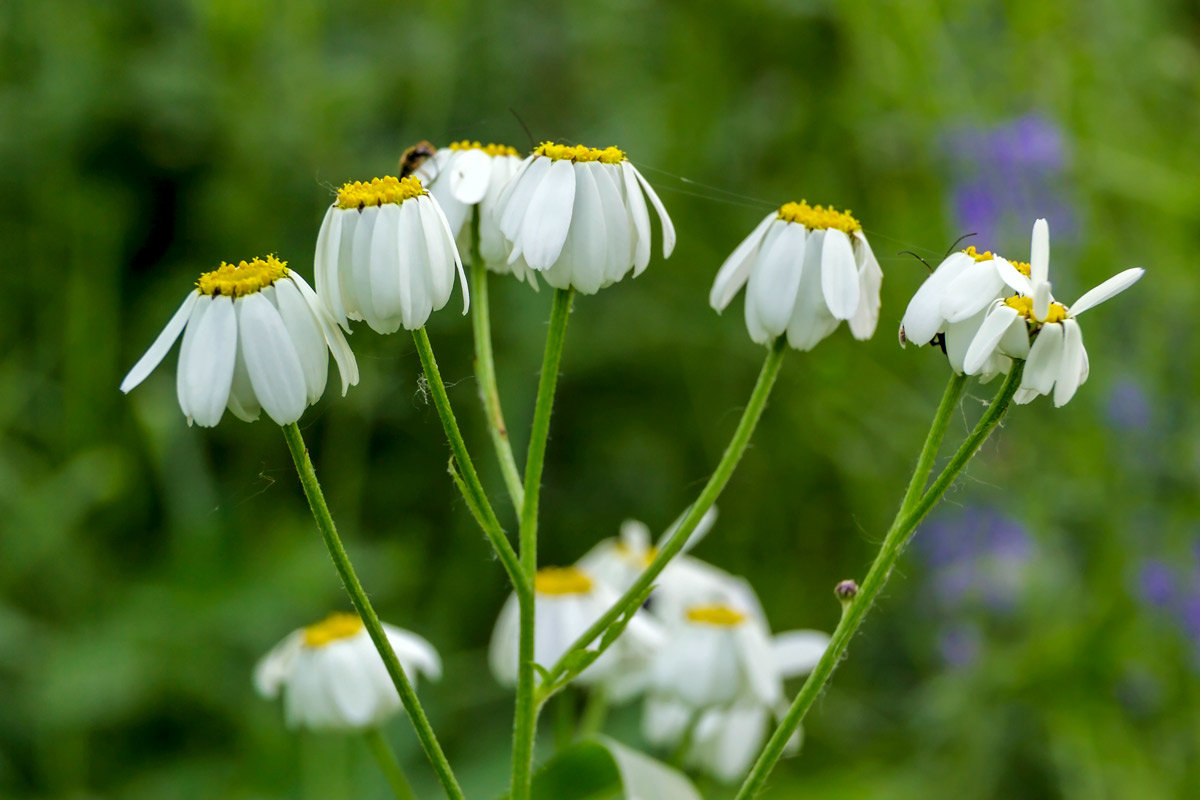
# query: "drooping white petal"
727, 741
207, 371
1039, 253
502, 649
1041, 301
758, 661
619, 231
587, 242
382, 307
665, 720
242, 402
442, 252
735, 271
643, 778
347, 291
271, 359
520, 180
668, 228
640, 217
273, 669
162, 343
199, 309
775, 279
360, 263
923, 317
1042, 366
306, 334
1015, 341
1013, 277
548, 219
1070, 370
977, 285
797, 652
326, 260
343, 356
983, 346
811, 319
416, 301
416, 654
870, 281
469, 175
347, 684
1109, 289
839, 274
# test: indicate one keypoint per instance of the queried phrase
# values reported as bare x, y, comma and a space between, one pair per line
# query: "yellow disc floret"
580, 153
360, 194
1022, 266
489, 148
338, 625
243, 278
1024, 307
819, 217
561, 580
723, 616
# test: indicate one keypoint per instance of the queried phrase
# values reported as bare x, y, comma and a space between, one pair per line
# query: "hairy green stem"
388, 764
893, 544
708, 495
475, 495
525, 716
358, 596
485, 370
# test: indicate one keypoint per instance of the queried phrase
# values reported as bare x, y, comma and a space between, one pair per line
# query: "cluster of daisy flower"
256, 337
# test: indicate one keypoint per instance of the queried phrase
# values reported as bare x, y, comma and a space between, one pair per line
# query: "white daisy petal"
870, 281
668, 228
1039, 253
1107, 290
343, 356
736, 270
326, 261
271, 359
470, 174
839, 274
1070, 371
639, 215
207, 373
771, 290
983, 346
305, 332
1042, 366
162, 344
977, 286
382, 308
798, 652
1012, 277
548, 219
923, 317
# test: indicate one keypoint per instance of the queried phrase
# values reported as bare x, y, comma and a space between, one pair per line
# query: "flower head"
805, 269
333, 678
385, 254
255, 338
467, 174
578, 216
1031, 325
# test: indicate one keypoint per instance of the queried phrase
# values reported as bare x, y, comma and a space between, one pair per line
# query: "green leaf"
603, 769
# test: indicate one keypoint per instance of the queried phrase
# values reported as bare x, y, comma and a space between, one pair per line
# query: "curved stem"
933, 443
358, 596
475, 495
525, 716
708, 495
388, 764
485, 370
901, 531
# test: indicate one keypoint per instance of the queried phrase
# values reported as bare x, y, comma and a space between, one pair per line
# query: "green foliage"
145, 565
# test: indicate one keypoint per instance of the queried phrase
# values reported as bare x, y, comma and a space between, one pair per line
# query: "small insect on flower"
255, 338
412, 158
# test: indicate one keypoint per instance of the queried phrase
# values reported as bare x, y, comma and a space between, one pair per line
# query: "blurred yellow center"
338, 625
579, 153
1024, 307
627, 552
819, 217
715, 615
489, 148
561, 580
1022, 266
243, 278
378, 191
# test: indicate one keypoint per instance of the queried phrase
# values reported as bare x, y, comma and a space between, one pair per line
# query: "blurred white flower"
567, 601
805, 269
578, 216
255, 338
1030, 325
466, 174
333, 678
385, 254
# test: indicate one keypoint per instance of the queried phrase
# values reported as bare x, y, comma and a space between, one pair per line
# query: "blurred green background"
1040, 640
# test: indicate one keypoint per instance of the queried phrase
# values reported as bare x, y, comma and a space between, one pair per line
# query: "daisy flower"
805, 269
467, 174
385, 254
953, 302
578, 216
332, 677
566, 601
1031, 325
255, 338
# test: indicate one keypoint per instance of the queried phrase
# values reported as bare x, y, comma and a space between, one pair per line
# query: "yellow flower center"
561, 580
580, 153
1022, 266
1024, 307
243, 278
338, 625
723, 616
626, 552
819, 217
360, 194
489, 148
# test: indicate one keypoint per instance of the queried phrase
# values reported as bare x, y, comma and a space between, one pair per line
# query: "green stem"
475, 495
485, 370
525, 716
933, 443
708, 495
358, 596
897, 537
388, 764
